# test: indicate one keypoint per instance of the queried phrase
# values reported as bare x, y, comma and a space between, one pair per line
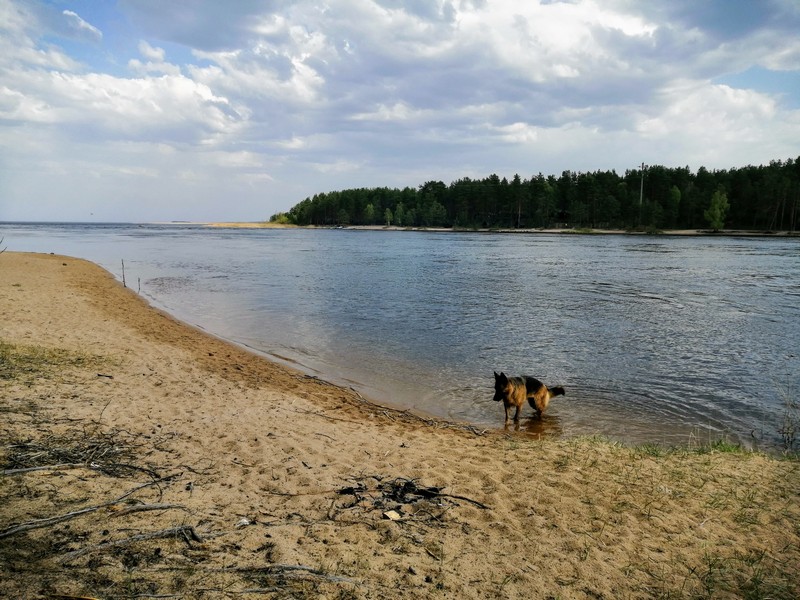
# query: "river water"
657, 339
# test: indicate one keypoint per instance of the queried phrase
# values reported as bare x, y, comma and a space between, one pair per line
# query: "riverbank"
565, 231
145, 457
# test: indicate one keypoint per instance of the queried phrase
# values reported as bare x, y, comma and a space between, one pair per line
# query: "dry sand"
145, 458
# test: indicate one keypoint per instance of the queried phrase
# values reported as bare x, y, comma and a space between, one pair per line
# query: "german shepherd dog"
513, 391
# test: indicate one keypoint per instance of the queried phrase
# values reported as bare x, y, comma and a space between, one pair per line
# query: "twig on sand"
150, 483
186, 532
58, 467
280, 569
39, 523
48, 521
147, 507
282, 572
470, 500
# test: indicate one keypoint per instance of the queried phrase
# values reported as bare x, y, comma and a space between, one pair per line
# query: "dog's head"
501, 386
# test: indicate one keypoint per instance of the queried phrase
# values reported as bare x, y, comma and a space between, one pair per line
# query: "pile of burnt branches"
400, 497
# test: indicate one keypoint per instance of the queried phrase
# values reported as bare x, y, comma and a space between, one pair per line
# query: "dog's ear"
496, 376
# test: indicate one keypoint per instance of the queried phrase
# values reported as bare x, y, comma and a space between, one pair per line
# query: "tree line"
765, 197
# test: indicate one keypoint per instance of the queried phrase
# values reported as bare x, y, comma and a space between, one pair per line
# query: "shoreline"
550, 231
206, 469
783, 234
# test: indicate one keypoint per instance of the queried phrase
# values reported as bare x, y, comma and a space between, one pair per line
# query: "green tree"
437, 214
280, 218
369, 214
343, 217
757, 197
674, 206
387, 216
546, 202
715, 213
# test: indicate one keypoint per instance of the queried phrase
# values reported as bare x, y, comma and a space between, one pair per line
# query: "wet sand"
143, 457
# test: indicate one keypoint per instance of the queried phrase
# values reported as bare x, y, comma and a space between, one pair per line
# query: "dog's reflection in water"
545, 426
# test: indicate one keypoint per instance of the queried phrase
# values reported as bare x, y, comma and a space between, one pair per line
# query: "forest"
650, 198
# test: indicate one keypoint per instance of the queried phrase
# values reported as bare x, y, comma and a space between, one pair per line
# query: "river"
657, 339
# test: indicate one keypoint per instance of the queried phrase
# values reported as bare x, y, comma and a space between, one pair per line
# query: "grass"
25, 364
753, 574
656, 479
722, 445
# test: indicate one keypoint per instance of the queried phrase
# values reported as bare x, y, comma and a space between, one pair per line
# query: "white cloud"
338, 166
708, 122
519, 133
155, 61
81, 28
241, 159
151, 53
400, 111
19, 48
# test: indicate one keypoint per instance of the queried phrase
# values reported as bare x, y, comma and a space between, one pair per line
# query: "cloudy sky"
153, 110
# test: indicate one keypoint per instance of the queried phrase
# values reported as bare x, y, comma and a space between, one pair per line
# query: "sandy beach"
143, 458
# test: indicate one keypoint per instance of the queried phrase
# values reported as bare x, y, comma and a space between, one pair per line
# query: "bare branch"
186, 532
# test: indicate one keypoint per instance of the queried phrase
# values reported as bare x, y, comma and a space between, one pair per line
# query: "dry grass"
24, 364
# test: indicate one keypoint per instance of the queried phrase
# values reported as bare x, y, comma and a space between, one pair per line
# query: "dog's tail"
557, 391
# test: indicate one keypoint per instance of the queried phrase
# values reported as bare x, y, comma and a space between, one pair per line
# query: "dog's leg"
516, 414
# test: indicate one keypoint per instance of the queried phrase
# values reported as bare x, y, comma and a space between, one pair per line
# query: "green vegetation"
763, 198
25, 364
280, 219
715, 214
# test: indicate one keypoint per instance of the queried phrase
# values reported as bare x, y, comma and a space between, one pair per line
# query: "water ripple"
658, 339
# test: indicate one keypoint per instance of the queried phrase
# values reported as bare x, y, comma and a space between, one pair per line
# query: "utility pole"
641, 194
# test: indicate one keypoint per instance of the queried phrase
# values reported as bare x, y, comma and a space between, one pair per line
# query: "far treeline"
653, 198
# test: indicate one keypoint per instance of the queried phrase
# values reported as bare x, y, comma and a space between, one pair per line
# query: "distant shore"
564, 231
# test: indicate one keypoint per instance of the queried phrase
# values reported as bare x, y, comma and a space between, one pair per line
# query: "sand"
146, 458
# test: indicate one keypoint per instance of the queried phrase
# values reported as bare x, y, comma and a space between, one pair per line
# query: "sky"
200, 110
